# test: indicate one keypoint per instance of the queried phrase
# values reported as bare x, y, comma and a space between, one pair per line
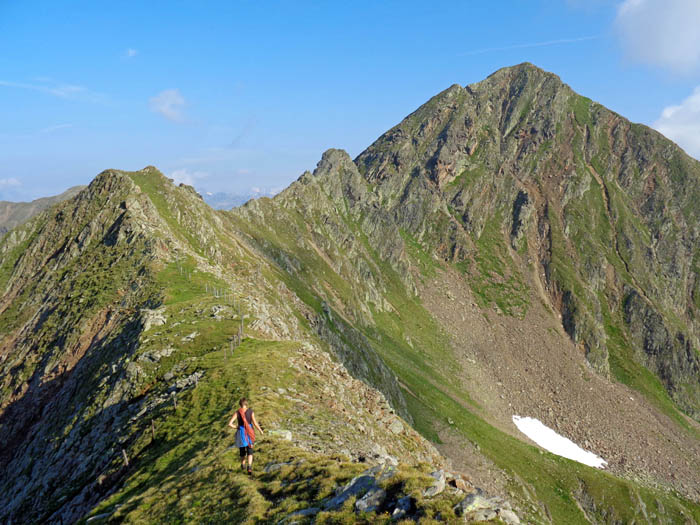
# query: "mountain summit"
511, 248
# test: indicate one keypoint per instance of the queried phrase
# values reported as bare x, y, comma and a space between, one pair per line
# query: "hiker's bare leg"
250, 460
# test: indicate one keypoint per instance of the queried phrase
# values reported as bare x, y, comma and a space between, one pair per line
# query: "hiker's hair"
242, 402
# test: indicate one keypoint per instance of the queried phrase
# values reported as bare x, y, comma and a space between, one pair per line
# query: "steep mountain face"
605, 211
12, 214
510, 248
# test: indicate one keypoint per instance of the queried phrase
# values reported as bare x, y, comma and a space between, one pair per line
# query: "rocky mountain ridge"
12, 214
496, 253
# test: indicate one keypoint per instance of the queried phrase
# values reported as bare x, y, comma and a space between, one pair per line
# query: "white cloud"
131, 53
11, 182
169, 104
661, 32
185, 176
681, 123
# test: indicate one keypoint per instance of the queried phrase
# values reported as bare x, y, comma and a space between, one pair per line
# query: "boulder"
438, 485
508, 516
460, 484
372, 500
358, 485
484, 515
403, 507
471, 502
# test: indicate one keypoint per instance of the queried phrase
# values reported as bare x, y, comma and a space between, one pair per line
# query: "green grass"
492, 274
425, 262
581, 107
190, 473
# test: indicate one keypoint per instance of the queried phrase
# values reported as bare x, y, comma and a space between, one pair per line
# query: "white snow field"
549, 440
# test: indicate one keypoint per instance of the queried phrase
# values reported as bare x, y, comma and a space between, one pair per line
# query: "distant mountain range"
226, 201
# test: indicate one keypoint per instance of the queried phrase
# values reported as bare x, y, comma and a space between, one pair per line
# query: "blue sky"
235, 95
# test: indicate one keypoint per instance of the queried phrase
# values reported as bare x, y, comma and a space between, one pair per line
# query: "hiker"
245, 433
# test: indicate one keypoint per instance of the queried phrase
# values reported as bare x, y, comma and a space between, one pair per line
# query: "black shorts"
246, 451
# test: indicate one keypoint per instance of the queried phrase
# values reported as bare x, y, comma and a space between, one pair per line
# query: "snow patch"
556, 444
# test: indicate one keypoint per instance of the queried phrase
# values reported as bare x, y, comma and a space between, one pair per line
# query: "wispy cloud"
56, 89
661, 32
168, 103
681, 123
545, 43
51, 129
131, 53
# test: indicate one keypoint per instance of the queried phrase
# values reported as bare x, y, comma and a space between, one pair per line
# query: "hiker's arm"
255, 424
230, 423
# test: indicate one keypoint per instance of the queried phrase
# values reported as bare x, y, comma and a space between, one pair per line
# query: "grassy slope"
191, 472
433, 394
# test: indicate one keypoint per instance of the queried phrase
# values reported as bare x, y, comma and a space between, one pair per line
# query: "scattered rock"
396, 427
190, 337
284, 434
274, 467
216, 312
151, 318
156, 355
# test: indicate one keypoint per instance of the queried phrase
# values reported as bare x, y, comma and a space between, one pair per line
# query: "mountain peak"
524, 68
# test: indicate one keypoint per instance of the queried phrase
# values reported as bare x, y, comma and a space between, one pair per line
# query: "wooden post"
126, 458
153, 431
174, 400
